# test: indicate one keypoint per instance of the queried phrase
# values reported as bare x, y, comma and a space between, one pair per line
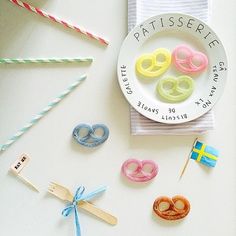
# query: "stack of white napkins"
140, 10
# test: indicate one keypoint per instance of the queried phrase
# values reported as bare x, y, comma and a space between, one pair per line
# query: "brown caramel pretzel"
172, 212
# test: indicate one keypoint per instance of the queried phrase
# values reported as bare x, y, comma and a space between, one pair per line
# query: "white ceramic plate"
169, 31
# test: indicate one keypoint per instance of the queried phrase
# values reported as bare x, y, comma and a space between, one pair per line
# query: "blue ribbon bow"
79, 196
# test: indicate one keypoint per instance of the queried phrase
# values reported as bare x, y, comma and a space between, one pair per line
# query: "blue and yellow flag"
204, 154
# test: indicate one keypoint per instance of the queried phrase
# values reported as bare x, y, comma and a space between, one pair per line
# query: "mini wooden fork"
64, 194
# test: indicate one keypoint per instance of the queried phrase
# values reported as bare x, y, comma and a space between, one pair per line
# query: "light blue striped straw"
35, 119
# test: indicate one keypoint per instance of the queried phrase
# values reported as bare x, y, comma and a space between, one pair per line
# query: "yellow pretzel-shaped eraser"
154, 64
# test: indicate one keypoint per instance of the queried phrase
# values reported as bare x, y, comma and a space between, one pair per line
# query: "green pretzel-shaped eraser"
175, 89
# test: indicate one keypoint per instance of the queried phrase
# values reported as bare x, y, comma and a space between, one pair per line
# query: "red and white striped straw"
55, 19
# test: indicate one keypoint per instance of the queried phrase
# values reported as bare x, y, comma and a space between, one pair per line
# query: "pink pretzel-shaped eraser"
187, 60
138, 173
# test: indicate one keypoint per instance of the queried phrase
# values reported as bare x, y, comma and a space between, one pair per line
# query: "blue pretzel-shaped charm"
89, 138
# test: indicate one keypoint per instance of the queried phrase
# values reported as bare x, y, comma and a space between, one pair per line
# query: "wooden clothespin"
18, 166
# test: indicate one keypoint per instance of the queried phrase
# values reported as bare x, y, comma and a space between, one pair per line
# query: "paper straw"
43, 60
57, 20
35, 119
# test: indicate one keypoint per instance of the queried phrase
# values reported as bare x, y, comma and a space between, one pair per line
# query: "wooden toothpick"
187, 161
18, 166
27, 182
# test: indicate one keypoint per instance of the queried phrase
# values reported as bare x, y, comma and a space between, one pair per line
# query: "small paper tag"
20, 163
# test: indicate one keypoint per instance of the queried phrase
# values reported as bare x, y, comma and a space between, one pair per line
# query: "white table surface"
25, 90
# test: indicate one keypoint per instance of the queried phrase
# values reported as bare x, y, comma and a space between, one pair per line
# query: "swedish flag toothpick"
203, 154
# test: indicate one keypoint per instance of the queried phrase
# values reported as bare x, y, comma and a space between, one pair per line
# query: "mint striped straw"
44, 60
35, 119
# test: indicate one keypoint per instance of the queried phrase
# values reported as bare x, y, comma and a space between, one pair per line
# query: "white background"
25, 90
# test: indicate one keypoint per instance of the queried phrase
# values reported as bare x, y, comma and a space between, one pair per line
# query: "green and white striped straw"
43, 60
35, 119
